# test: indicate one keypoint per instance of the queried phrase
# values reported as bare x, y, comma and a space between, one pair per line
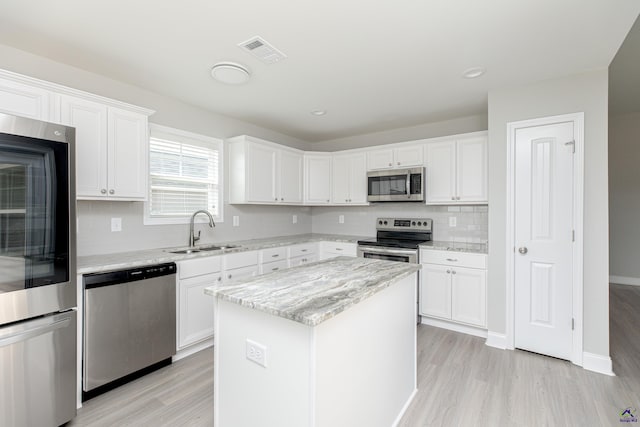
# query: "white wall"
588, 93
427, 130
94, 235
624, 195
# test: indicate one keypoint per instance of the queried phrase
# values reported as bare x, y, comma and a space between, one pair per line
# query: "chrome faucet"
192, 238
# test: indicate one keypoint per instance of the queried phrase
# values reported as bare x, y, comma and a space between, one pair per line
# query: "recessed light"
319, 112
473, 73
230, 73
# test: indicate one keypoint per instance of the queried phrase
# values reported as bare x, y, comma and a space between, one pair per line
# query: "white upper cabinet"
457, 171
317, 178
25, 100
262, 172
111, 149
290, 176
391, 158
349, 186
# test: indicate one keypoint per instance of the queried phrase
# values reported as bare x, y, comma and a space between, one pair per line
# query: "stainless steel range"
397, 239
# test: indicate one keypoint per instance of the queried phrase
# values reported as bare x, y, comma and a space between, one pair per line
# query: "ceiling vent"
261, 49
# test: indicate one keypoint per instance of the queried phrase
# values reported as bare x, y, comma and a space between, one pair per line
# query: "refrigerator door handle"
21, 334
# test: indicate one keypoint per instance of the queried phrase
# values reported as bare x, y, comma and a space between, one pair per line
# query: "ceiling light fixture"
473, 73
318, 112
230, 73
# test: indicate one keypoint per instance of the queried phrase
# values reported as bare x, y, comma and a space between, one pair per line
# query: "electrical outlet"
453, 221
341, 219
116, 224
256, 353
295, 219
236, 221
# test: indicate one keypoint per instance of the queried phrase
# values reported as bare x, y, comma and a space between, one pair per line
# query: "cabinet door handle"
303, 250
111, 191
282, 199
453, 198
398, 163
458, 198
390, 164
275, 268
452, 259
229, 276
328, 200
275, 256
453, 272
338, 249
103, 191
448, 271
276, 199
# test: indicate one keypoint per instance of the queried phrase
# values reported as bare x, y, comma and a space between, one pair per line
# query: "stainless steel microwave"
396, 185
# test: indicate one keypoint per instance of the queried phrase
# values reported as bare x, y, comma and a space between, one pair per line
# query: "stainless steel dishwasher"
129, 325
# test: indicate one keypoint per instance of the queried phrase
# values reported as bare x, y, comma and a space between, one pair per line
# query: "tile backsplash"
470, 221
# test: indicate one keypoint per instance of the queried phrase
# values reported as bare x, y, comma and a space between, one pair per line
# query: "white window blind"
184, 176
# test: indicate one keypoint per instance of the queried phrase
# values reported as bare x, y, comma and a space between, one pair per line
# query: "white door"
441, 171
471, 160
90, 120
262, 173
358, 179
128, 150
317, 179
340, 181
543, 237
435, 290
290, 177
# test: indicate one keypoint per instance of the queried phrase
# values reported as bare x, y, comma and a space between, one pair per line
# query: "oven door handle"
409, 184
378, 250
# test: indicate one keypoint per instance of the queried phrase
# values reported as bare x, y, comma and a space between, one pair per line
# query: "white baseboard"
597, 363
622, 280
188, 351
404, 408
496, 340
456, 327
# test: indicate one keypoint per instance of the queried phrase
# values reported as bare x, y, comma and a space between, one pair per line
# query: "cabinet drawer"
241, 273
270, 267
453, 258
339, 248
198, 267
300, 250
273, 254
241, 259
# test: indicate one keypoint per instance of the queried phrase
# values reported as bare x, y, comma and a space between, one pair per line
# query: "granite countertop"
479, 248
315, 292
124, 260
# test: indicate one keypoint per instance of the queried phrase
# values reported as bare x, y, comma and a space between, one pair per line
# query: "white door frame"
578, 208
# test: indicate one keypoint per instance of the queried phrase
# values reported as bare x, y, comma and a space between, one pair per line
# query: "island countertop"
315, 292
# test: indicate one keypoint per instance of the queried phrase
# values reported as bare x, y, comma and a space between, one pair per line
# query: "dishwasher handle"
97, 280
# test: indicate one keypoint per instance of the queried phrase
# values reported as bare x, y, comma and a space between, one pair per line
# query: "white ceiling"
373, 65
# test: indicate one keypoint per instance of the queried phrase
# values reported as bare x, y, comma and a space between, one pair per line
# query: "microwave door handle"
409, 184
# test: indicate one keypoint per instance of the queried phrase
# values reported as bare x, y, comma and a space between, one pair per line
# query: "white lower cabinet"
195, 309
300, 260
455, 288
270, 267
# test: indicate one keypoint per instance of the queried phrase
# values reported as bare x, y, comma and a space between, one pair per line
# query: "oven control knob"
419, 223
413, 223
385, 223
379, 222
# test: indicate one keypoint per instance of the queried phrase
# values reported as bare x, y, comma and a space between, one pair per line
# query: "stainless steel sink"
205, 248
216, 247
185, 251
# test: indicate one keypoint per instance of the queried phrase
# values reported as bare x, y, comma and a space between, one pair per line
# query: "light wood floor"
461, 382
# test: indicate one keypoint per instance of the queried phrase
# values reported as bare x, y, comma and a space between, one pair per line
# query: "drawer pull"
275, 256
275, 268
448, 271
304, 250
453, 272
338, 249
452, 259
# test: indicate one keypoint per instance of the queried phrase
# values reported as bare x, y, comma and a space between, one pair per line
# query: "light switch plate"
116, 224
453, 221
236, 221
295, 219
341, 219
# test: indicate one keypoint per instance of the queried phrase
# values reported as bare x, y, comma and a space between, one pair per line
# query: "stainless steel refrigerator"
37, 273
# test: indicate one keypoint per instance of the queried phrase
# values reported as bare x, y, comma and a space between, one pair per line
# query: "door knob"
523, 250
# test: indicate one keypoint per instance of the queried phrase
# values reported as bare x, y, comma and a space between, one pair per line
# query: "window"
185, 173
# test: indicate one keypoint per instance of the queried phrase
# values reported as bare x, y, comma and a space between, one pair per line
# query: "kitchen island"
332, 343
